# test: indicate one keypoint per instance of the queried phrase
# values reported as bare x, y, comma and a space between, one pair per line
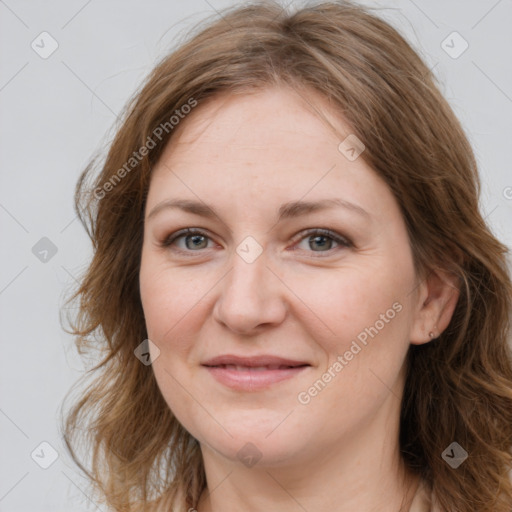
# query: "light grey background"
56, 111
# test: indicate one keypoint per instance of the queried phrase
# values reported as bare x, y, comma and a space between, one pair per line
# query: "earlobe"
437, 299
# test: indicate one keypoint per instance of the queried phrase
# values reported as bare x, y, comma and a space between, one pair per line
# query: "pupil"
196, 240
319, 237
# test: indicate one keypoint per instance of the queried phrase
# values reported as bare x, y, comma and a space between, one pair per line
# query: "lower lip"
252, 380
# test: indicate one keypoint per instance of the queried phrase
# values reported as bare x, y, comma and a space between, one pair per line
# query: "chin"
259, 438
253, 450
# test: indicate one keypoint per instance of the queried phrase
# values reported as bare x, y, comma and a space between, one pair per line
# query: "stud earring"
431, 335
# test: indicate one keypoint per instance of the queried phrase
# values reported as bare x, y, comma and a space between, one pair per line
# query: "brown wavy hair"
458, 387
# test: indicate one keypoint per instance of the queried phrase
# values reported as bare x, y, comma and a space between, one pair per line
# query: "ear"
437, 297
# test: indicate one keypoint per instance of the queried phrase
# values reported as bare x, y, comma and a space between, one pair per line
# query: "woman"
299, 304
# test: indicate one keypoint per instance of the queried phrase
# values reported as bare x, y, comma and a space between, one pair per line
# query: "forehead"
255, 116
270, 144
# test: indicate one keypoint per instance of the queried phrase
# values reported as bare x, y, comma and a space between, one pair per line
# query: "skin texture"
304, 298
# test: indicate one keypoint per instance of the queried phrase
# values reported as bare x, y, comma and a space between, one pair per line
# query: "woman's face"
282, 320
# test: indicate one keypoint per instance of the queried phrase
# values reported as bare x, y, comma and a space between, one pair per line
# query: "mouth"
241, 368
253, 373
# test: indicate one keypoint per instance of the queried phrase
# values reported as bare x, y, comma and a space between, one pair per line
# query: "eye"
193, 240
322, 240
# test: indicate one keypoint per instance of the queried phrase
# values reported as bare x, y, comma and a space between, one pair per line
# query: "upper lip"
253, 361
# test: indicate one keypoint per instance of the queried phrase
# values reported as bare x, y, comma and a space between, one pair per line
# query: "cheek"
171, 299
368, 315
351, 300
171, 309
367, 312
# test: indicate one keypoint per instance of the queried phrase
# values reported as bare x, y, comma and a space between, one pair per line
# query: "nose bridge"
250, 294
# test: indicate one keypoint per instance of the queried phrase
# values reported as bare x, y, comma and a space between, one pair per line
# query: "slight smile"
253, 373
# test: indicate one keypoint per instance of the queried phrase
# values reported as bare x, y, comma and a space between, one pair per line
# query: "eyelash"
342, 241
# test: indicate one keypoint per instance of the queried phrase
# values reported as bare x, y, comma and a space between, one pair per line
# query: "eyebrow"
286, 211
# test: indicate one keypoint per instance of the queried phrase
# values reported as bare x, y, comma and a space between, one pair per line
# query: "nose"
251, 297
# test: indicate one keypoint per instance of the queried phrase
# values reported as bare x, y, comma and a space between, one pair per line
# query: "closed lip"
253, 373
269, 361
